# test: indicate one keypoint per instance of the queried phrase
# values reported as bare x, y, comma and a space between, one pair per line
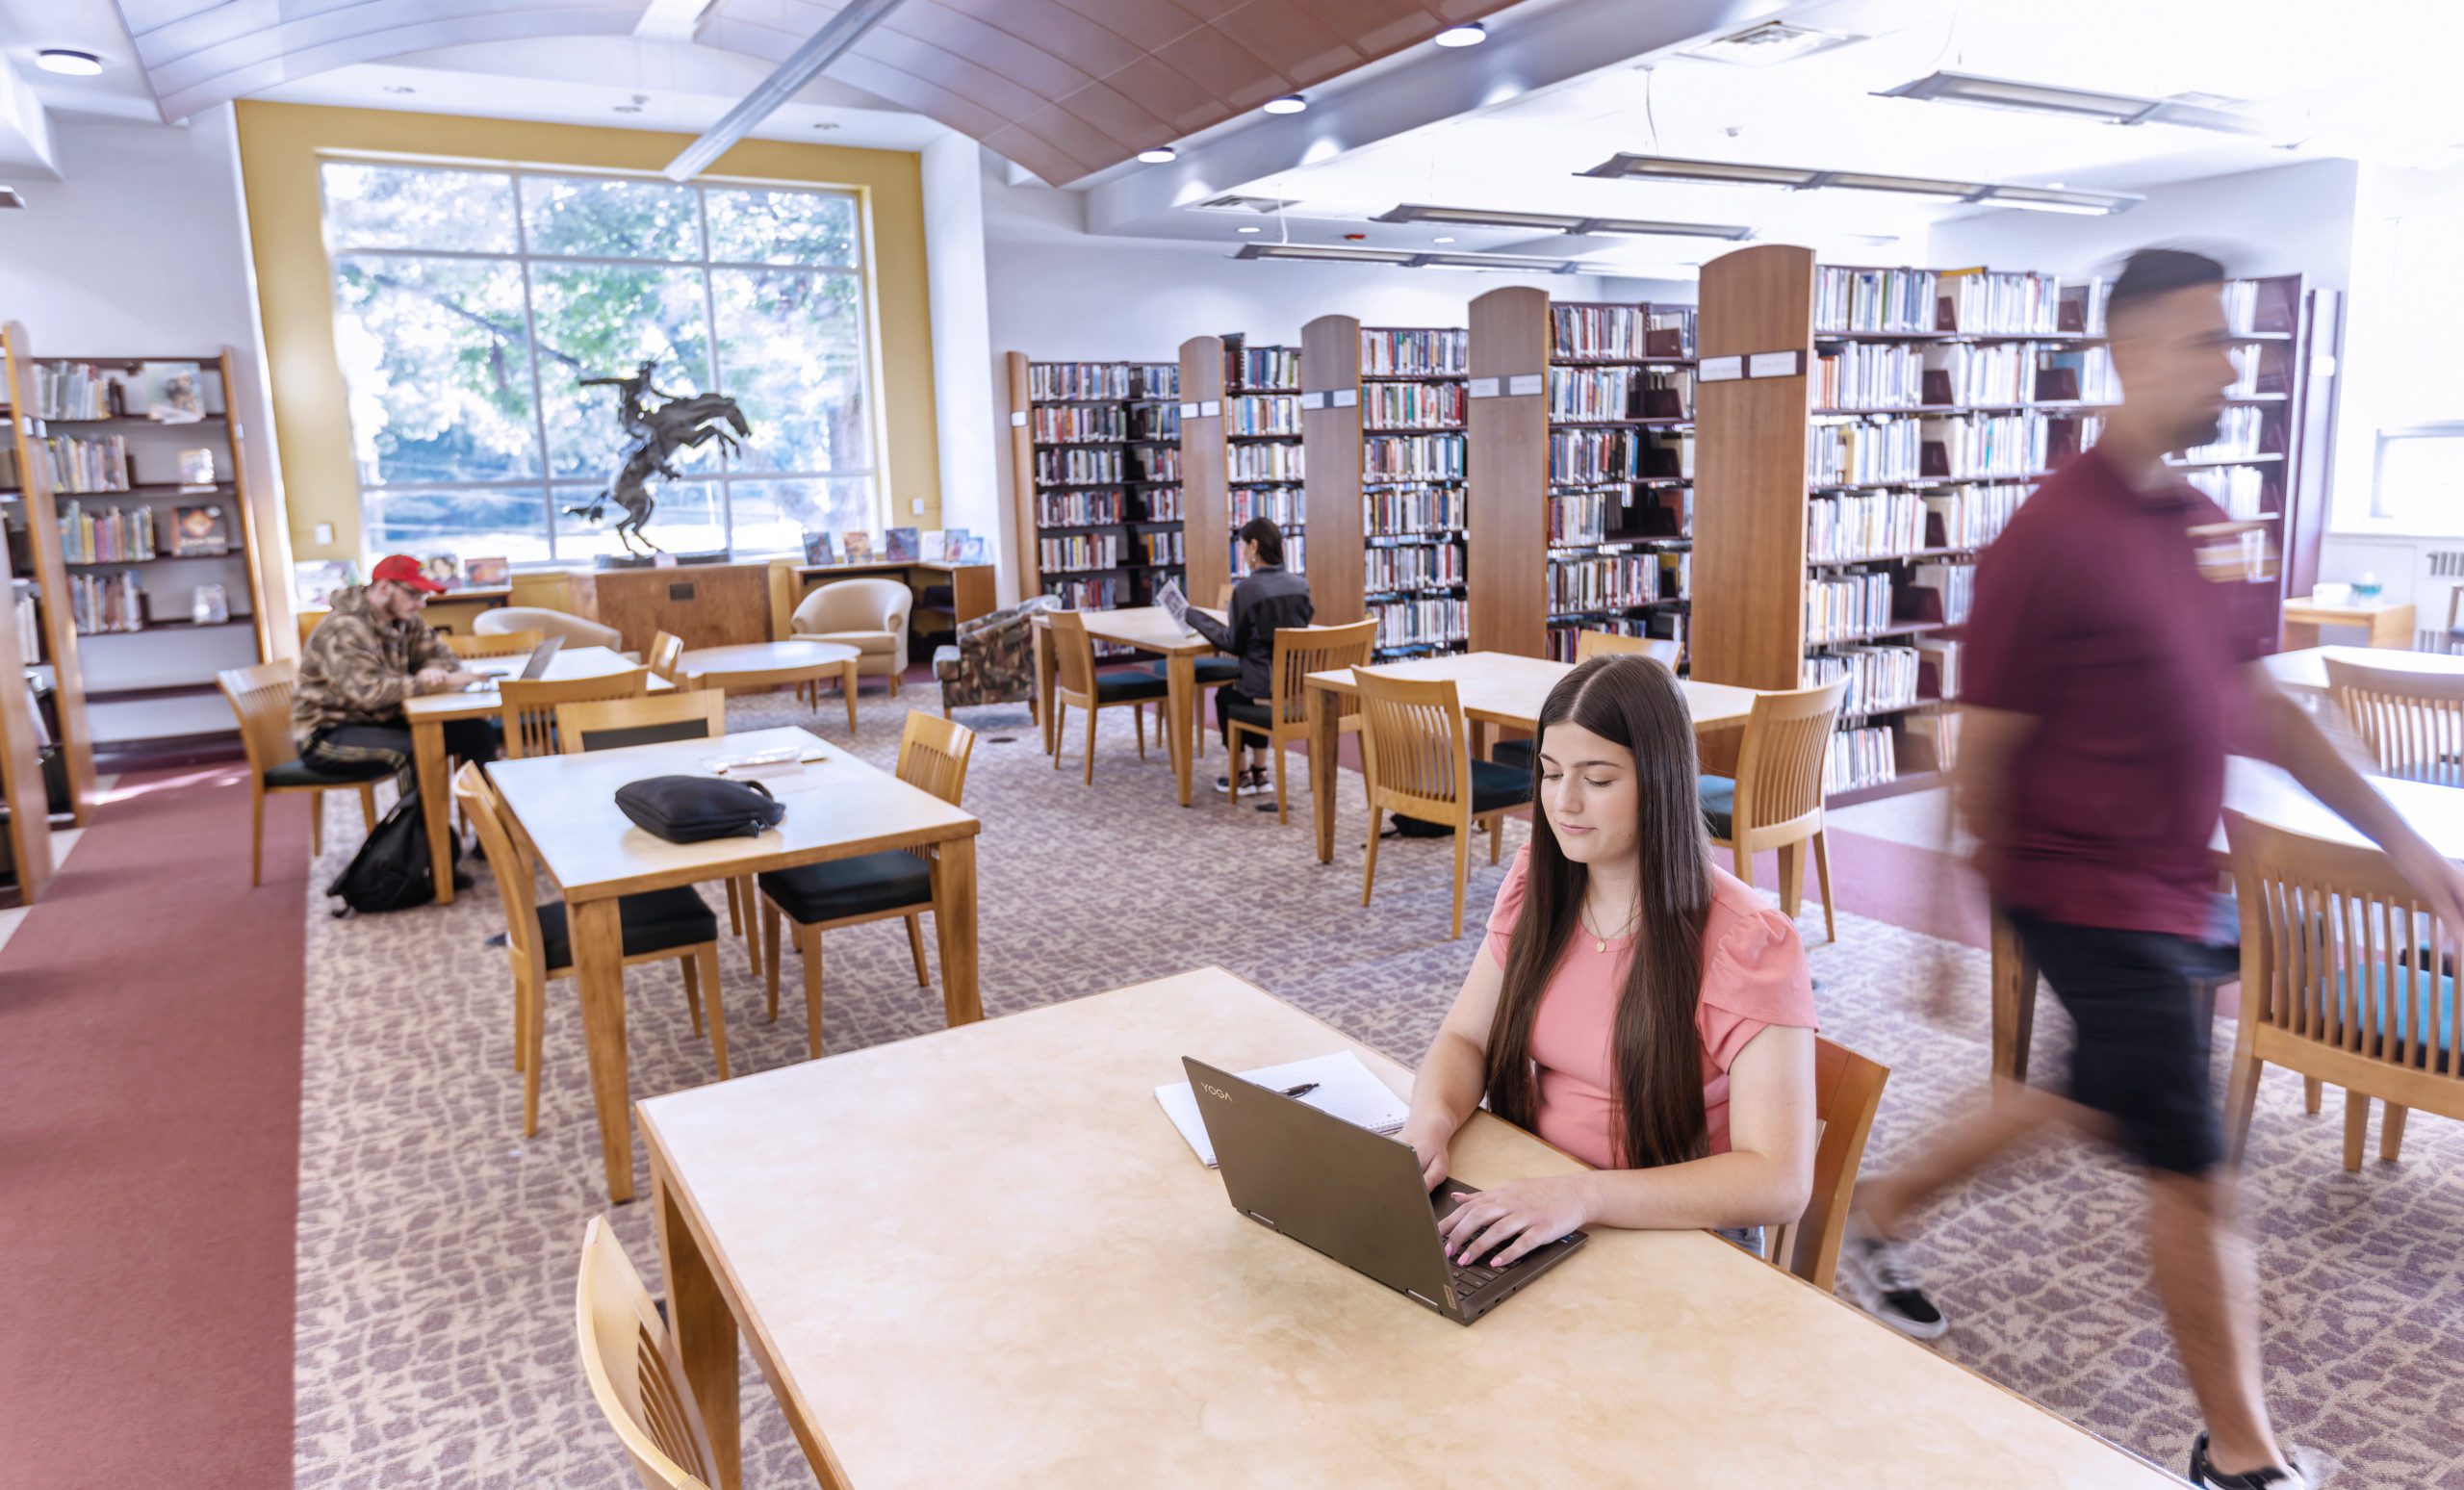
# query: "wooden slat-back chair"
636, 1375
2412, 721
933, 755
499, 644
666, 648
1597, 644
531, 705
1847, 1088
1298, 651
527, 945
2348, 977
260, 696
1416, 754
1778, 792
653, 718
1077, 685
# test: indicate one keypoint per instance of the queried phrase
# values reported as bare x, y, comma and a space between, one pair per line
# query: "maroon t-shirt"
2094, 618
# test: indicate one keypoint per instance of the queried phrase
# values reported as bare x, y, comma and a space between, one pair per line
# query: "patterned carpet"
436, 1248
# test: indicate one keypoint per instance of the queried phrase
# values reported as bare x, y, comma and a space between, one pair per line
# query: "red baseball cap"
402, 569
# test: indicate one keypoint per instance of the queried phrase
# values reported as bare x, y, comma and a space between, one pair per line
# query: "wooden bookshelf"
1383, 414
1577, 410
35, 551
1242, 453
1101, 438
158, 657
22, 782
1205, 487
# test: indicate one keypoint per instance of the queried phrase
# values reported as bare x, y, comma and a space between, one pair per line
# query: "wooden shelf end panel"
1206, 513
1330, 442
1750, 472
1507, 524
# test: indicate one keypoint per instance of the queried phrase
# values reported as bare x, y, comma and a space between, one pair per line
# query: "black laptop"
1351, 1194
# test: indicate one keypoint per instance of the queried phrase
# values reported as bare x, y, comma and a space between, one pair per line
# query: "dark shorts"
2142, 1053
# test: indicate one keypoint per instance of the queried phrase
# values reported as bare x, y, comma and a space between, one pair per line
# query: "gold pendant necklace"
1599, 942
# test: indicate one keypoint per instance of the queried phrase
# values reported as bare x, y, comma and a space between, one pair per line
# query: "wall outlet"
325, 532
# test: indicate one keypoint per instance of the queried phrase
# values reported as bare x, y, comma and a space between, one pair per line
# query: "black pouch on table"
690, 808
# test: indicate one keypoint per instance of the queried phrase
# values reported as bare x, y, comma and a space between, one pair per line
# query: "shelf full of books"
139, 536
1386, 413
1265, 453
1095, 448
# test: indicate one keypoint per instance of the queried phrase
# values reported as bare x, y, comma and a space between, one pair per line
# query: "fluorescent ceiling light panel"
1664, 167
1330, 255
1770, 43
1408, 258
1657, 168
1906, 185
2083, 103
1561, 222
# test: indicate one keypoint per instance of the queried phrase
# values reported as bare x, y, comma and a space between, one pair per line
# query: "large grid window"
471, 303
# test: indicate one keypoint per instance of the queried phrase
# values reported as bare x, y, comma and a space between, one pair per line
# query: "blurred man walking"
2110, 665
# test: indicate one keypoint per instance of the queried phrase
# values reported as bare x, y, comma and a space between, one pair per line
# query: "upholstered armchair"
994, 659
575, 630
869, 615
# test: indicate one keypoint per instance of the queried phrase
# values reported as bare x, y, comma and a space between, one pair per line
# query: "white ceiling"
1492, 127
2379, 89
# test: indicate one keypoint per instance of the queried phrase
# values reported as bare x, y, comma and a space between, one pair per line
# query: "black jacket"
1269, 598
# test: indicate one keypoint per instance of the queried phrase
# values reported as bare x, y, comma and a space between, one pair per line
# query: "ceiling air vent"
1231, 203
1769, 43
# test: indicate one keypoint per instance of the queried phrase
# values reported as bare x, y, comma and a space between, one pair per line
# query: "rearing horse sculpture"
652, 437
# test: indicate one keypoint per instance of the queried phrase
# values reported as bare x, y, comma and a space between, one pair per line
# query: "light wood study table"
2256, 790
2305, 672
2387, 624
1497, 689
429, 712
1147, 628
984, 1257
752, 666
566, 820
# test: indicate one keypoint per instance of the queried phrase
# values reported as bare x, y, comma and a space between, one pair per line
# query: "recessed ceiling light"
1471, 33
75, 65
1289, 103
1160, 155
1443, 238
400, 87
1246, 228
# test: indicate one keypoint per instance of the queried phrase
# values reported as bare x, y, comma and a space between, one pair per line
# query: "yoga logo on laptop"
1217, 1093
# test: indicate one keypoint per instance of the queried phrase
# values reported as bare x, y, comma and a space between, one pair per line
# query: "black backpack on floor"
392, 872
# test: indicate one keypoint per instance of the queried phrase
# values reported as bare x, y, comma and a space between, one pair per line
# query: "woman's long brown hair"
1656, 1055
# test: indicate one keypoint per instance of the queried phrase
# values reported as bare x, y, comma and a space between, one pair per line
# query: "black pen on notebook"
1300, 1091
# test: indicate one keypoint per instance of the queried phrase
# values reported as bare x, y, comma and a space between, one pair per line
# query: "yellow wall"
280, 148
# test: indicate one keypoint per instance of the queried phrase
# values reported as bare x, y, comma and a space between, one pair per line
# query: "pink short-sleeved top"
1754, 976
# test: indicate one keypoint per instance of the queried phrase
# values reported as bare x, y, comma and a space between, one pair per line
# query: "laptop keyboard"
1471, 1278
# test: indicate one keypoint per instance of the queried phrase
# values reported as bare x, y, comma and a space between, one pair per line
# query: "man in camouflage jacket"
369, 653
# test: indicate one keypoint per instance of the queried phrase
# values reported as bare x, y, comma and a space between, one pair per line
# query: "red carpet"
149, 1050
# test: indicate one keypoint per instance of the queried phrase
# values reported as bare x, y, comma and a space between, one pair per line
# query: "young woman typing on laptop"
1631, 1004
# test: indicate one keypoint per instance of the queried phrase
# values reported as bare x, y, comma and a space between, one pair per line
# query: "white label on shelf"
1779, 364
1484, 388
1210, 408
1017, 419
1522, 383
1188, 411
1313, 400
1719, 370
1346, 398
2324, 365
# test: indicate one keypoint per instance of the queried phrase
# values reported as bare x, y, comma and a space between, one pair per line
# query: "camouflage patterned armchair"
994, 659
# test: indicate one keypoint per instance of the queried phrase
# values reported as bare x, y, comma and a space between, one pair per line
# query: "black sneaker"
2308, 1470
1877, 1276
